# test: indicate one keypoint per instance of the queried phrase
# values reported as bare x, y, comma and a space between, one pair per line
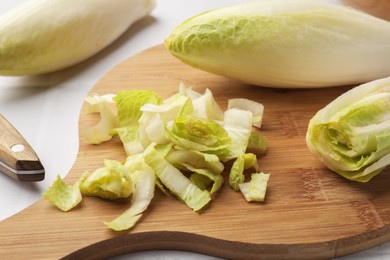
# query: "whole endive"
351, 135
42, 36
286, 43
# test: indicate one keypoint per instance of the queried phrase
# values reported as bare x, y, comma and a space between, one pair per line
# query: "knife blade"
17, 158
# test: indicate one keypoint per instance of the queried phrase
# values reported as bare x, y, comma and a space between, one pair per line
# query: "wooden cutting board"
309, 212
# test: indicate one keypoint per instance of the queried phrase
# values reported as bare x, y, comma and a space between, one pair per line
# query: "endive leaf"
62, 195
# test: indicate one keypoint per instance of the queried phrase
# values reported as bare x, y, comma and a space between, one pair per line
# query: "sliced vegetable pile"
180, 144
285, 43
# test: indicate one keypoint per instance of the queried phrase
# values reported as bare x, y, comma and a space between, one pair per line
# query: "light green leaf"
129, 103
175, 181
101, 131
256, 108
181, 158
144, 181
194, 133
129, 139
238, 124
64, 196
109, 182
255, 190
242, 163
202, 183
257, 144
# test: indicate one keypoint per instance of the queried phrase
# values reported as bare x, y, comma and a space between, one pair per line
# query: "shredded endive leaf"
143, 178
64, 196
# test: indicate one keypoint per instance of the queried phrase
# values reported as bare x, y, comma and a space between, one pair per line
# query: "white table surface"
45, 109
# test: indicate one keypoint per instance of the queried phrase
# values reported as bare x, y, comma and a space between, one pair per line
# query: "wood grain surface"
379, 8
309, 212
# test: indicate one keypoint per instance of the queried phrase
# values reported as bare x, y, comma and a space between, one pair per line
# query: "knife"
17, 158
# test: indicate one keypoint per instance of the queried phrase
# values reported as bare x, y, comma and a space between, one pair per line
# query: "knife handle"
17, 158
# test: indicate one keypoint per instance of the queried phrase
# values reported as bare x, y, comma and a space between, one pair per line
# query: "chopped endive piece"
188, 92
255, 190
206, 168
242, 162
155, 117
182, 158
195, 133
238, 124
154, 129
257, 109
144, 181
206, 107
285, 44
93, 101
202, 181
351, 135
129, 138
62, 195
204, 104
101, 131
178, 184
216, 179
236, 175
250, 161
109, 182
169, 108
257, 144
129, 103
